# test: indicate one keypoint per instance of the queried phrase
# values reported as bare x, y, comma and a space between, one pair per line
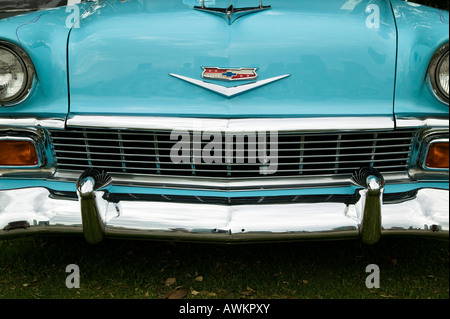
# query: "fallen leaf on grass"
194, 292
27, 284
198, 278
248, 292
170, 281
177, 294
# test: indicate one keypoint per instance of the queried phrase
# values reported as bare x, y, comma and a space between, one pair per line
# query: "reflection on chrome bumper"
39, 210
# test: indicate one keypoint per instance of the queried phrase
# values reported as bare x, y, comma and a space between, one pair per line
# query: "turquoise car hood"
339, 55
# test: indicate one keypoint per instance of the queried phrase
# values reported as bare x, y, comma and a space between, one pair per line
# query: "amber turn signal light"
18, 153
437, 156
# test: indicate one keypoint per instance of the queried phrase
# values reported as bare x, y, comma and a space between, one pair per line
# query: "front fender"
421, 31
43, 36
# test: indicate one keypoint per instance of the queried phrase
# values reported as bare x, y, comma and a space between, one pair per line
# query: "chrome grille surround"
143, 156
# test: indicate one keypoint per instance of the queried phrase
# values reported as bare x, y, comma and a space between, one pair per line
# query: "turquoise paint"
421, 31
129, 49
121, 56
43, 35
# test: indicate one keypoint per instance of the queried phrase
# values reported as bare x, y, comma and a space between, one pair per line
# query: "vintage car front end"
228, 121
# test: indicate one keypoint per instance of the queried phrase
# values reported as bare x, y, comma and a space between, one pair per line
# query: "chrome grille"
299, 154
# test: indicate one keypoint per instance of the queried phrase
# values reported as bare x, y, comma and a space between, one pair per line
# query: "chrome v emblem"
231, 13
229, 92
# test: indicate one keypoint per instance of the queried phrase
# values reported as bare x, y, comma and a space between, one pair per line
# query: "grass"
409, 269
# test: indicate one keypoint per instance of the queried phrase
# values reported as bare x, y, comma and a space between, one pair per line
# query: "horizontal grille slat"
256, 141
297, 154
233, 164
250, 149
209, 170
236, 157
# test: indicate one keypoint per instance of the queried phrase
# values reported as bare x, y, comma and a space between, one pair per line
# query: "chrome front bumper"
35, 210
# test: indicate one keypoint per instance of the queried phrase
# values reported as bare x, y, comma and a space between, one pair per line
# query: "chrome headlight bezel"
29, 74
433, 73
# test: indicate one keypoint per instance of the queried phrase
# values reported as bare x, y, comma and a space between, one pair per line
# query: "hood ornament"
231, 13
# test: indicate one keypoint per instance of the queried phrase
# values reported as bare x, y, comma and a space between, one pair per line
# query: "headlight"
16, 74
442, 75
438, 76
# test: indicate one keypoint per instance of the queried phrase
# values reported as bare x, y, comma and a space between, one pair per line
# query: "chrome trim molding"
233, 125
232, 184
30, 211
50, 123
227, 125
229, 92
19, 10
411, 122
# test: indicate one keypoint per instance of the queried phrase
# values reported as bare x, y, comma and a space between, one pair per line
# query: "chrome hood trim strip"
233, 125
51, 123
409, 122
